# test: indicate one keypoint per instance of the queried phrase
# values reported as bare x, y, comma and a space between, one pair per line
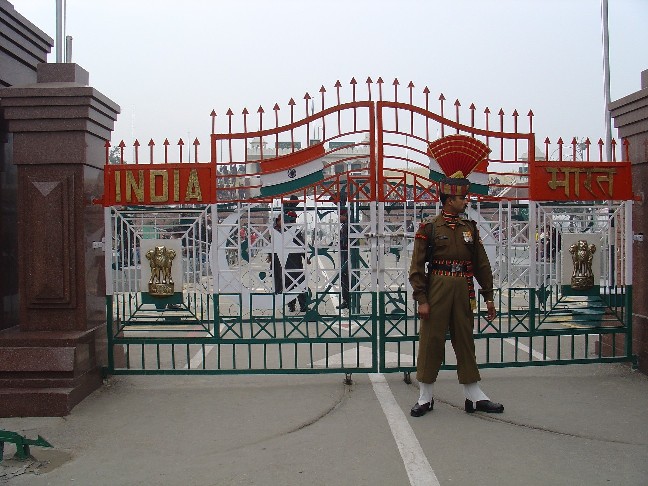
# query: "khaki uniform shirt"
460, 243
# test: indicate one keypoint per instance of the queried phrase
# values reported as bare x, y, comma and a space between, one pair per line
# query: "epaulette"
420, 233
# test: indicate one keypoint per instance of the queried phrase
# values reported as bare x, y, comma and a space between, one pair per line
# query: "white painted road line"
418, 468
526, 349
197, 359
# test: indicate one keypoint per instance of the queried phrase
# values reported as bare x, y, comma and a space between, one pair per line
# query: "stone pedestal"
53, 358
631, 118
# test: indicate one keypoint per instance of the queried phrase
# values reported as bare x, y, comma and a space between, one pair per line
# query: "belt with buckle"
450, 267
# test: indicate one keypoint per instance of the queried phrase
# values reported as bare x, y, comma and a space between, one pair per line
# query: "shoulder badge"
472, 223
420, 233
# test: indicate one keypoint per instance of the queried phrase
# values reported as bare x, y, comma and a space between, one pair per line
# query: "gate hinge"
99, 244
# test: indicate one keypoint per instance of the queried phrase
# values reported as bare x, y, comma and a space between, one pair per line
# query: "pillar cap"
62, 73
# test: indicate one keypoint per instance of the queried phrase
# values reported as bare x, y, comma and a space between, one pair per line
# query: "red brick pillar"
630, 115
53, 359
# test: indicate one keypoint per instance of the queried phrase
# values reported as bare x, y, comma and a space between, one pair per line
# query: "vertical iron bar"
573, 346
109, 329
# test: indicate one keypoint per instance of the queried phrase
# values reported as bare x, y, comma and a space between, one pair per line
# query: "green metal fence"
205, 331
523, 334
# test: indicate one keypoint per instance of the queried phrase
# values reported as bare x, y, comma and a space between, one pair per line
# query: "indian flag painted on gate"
478, 177
291, 172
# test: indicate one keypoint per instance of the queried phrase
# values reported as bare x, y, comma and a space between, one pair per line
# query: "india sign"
159, 184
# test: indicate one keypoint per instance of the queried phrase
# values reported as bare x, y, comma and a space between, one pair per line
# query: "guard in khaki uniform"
448, 255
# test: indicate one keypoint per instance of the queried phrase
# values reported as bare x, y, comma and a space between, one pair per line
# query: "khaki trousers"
449, 309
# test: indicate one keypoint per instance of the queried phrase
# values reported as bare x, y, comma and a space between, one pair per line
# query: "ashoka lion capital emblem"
582, 256
161, 261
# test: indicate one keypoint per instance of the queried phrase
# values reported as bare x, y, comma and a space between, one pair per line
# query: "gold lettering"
609, 179
554, 183
588, 181
117, 186
607, 176
576, 180
193, 187
176, 185
132, 186
165, 185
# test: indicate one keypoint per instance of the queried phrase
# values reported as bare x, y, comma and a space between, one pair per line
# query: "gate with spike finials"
243, 263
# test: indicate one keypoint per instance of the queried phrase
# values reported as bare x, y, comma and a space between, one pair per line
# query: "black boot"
483, 406
420, 410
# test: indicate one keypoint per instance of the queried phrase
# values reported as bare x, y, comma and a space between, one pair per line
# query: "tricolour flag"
478, 177
291, 172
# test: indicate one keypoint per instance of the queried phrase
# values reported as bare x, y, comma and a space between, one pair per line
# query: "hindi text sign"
580, 181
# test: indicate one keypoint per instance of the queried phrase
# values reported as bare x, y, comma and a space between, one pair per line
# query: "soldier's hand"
424, 310
492, 313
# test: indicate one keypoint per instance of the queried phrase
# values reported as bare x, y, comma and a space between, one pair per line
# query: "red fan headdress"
458, 153
457, 156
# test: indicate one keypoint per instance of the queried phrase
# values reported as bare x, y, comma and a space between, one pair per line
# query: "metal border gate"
367, 159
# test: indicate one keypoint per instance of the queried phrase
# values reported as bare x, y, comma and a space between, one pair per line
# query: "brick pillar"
630, 115
53, 358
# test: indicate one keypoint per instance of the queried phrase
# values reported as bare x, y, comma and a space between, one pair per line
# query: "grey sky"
169, 63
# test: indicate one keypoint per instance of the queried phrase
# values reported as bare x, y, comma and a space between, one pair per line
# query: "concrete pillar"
52, 360
630, 115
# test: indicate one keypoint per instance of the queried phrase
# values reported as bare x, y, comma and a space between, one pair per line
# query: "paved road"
570, 425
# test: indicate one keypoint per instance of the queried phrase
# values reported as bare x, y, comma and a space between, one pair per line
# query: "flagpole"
606, 79
59, 31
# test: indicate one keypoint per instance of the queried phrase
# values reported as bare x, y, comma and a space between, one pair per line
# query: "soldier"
344, 259
295, 271
450, 247
275, 262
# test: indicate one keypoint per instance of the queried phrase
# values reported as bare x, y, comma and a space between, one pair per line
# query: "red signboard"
158, 184
580, 181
